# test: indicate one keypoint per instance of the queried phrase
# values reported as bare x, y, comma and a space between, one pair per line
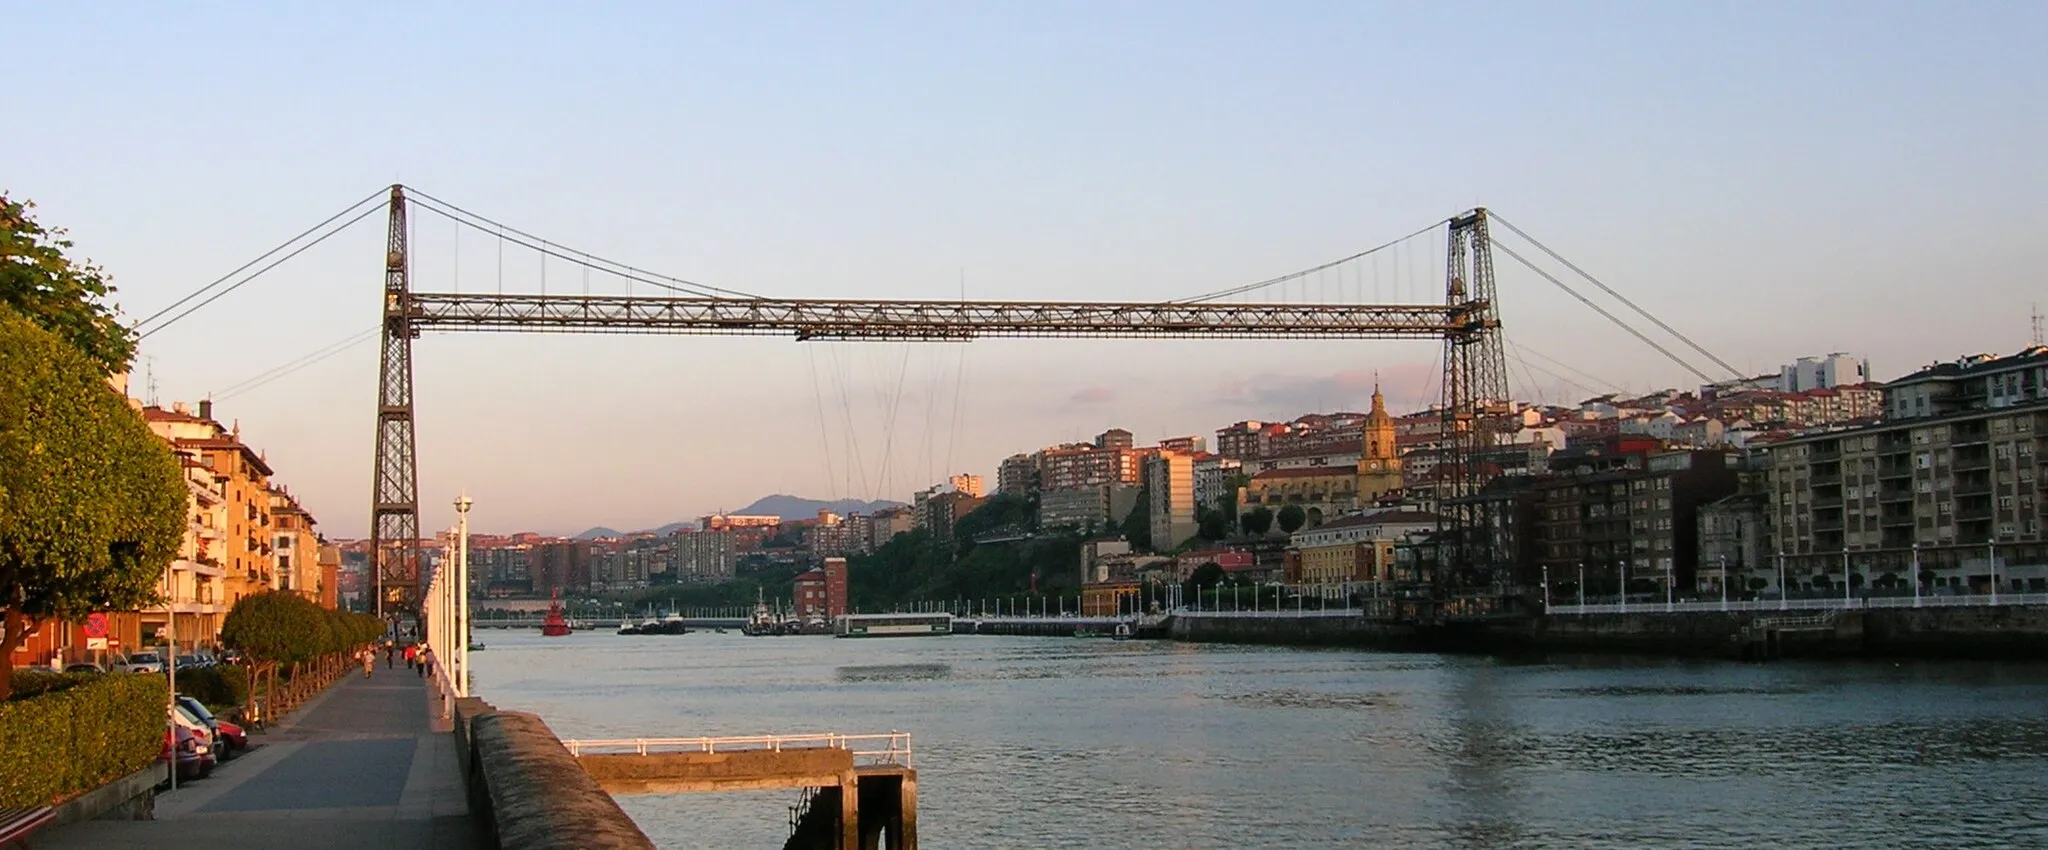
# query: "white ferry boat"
892, 625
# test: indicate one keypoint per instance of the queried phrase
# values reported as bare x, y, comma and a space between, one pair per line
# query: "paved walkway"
362, 765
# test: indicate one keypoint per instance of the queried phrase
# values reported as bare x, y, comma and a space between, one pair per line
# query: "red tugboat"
555, 625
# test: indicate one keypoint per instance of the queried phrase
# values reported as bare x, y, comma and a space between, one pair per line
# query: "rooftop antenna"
2038, 338
149, 367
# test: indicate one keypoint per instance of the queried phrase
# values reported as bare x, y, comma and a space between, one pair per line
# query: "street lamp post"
1546, 587
1845, 578
1783, 601
1992, 550
1724, 582
462, 504
1916, 573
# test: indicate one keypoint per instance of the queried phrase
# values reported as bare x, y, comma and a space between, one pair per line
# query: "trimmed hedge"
221, 687
66, 741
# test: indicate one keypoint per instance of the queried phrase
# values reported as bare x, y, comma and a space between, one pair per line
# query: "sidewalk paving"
362, 765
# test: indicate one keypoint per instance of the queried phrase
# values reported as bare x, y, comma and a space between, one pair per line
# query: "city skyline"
1067, 152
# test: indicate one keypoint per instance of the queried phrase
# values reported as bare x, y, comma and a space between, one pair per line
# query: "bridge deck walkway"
362, 765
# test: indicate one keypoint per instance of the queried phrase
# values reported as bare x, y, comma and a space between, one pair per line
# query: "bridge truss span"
936, 321
1467, 322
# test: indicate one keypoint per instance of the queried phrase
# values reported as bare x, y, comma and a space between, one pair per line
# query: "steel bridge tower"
1475, 410
394, 500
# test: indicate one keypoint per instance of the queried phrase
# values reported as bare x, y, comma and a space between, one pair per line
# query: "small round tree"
1292, 518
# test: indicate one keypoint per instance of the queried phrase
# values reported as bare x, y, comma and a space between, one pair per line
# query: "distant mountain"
797, 507
596, 533
669, 529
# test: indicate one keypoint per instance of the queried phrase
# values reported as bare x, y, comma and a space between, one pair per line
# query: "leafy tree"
1137, 526
1292, 518
1758, 584
63, 296
1258, 521
1215, 526
1209, 574
92, 505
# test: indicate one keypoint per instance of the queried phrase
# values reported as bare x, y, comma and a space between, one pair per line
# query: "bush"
72, 739
28, 683
221, 686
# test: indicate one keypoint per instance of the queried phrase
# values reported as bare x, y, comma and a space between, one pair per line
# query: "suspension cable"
276, 372
1239, 290
258, 273
265, 255
1601, 310
1619, 297
487, 225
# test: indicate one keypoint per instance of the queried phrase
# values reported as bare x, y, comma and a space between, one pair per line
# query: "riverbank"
2018, 632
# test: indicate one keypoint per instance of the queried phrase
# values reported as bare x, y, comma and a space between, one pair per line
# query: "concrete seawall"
528, 791
2017, 632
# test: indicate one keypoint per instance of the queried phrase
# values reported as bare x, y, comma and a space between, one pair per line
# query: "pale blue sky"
1777, 179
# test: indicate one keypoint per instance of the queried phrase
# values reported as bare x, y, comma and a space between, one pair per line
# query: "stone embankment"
2010, 631
528, 791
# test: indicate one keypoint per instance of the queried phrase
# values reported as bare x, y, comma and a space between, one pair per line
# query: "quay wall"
2012, 631
528, 791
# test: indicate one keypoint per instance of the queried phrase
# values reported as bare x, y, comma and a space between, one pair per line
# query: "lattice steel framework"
1475, 409
1474, 384
395, 487
932, 320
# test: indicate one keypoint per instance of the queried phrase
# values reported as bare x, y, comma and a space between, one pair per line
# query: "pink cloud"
1092, 396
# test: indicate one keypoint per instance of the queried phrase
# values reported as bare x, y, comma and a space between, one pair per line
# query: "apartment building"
1082, 508
1948, 488
1170, 479
295, 546
705, 556
1626, 515
1017, 474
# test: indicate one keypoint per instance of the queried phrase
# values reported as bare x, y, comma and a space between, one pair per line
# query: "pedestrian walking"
390, 654
412, 654
420, 660
369, 661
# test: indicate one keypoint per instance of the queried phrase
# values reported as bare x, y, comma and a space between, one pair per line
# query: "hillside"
797, 507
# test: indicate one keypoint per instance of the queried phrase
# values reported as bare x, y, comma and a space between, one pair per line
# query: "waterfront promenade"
362, 765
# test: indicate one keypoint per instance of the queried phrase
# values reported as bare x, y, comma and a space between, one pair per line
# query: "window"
2005, 503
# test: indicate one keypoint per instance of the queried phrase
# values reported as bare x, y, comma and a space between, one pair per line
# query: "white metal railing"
894, 747
1816, 604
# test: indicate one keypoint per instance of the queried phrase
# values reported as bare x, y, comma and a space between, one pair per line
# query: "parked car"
83, 668
228, 738
194, 759
192, 661
184, 717
144, 662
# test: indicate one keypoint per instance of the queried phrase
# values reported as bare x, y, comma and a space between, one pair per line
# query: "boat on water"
892, 625
1123, 632
556, 624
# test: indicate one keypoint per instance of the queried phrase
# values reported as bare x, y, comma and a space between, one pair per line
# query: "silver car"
144, 662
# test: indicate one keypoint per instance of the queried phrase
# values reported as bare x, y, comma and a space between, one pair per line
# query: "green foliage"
1215, 526
1003, 510
1257, 521
279, 627
913, 567
220, 687
1209, 574
1759, 584
1137, 526
28, 683
70, 740
1291, 519
65, 297
92, 505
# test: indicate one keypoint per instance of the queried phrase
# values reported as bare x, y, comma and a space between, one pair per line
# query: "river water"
1065, 743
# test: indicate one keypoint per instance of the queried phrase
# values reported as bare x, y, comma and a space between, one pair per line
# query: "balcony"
1827, 523
1973, 486
1972, 461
